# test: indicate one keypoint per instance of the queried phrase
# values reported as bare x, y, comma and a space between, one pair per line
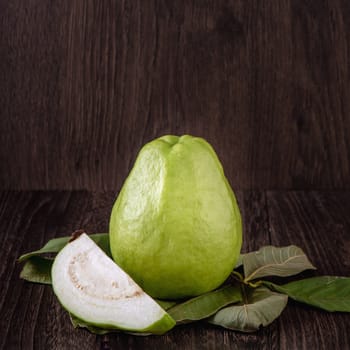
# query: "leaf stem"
254, 285
244, 293
238, 276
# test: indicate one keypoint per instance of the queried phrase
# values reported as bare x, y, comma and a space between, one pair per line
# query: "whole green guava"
175, 227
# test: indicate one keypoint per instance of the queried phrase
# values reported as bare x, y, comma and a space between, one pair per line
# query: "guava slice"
93, 288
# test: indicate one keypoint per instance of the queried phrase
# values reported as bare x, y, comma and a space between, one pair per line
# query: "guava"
94, 289
176, 226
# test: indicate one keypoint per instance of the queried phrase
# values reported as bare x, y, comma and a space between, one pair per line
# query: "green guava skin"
175, 227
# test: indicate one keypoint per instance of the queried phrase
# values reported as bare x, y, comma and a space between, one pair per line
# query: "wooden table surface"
31, 318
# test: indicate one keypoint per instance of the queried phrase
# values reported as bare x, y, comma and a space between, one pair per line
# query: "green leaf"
56, 244
52, 246
330, 293
166, 304
260, 308
274, 261
78, 323
37, 269
239, 261
205, 305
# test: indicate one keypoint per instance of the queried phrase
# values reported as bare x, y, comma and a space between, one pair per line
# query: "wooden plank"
318, 222
255, 219
31, 317
85, 84
34, 310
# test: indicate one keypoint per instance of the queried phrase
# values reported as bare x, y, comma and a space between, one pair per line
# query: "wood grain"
31, 317
84, 84
318, 223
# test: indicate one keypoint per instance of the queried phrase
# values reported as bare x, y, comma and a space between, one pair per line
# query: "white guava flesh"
93, 288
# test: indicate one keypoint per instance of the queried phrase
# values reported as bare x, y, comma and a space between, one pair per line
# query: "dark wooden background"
84, 84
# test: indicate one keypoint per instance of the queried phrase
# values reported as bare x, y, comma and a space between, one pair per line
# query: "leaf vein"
269, 265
